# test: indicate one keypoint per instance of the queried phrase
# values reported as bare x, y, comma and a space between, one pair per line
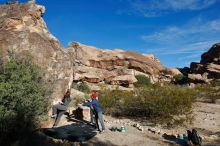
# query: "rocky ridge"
24, 32
209, 66
114, 66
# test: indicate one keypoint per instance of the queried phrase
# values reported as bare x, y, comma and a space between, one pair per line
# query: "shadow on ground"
79, 133
175, 140
96, 142
76, 132
40, 139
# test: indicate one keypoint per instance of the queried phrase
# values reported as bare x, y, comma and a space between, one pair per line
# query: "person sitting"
59, 109
98, 112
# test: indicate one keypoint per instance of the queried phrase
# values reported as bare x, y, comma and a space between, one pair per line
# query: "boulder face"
209, 64
113, 66
24, 32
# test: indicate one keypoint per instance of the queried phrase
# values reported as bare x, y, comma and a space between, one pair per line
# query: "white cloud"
186, 34
185, 43
189, 4
190, 50
153, 8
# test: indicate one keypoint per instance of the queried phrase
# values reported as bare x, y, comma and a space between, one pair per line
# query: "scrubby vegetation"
82, 86
180, 79
168, 104
22, 100
142, 81
215, 83
77, 100
209, 93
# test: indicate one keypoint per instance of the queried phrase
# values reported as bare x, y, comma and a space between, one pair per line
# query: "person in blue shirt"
98, 112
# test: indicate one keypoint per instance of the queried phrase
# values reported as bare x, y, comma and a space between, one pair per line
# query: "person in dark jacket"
59, 109
92, 112
98, 112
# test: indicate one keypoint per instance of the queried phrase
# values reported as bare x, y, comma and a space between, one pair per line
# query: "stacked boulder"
209, 66
113, 66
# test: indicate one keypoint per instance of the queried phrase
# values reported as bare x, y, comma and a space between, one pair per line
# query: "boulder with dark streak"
24, 32
210, 63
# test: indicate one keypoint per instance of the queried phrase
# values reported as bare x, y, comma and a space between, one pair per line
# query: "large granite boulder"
213, 55
174, 71
113, 66
124, 80
24, 32
210, 63
198, 78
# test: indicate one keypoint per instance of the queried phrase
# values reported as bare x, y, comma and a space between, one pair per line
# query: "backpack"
195, 138
189, 135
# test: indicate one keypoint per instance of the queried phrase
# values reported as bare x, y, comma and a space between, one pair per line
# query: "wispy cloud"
194, 57
188, 41
190, 50
189, 33
152, 8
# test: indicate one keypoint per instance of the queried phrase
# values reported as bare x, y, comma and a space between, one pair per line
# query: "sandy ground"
207, 123
132, 137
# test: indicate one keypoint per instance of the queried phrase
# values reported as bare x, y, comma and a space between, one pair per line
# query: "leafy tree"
22, 98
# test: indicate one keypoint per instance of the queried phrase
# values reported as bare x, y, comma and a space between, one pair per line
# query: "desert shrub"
114, 101
180, 79
208, 92
142, 81
83, 87
159, 104
162, 104
22, 100
215, 83
76, 101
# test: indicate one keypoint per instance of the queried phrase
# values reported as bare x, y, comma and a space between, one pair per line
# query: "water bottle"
122, 129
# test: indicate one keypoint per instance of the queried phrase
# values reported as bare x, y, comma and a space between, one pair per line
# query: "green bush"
180, 79
22, 99
114, 102
215, 83
208, 93
142, 81
83, 86
165, 104
76, 101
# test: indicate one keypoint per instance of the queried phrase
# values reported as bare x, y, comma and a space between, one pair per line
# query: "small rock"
153, 130
141, 129
158, 131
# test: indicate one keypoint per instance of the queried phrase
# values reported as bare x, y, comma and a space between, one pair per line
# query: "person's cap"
94, 95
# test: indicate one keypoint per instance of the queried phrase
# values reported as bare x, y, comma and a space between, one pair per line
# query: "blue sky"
175, 31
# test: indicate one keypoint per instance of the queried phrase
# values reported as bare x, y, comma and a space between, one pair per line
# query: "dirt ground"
207, 123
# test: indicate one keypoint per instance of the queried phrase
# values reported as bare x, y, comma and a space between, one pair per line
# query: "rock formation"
209, 66
23, 31
113, 66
